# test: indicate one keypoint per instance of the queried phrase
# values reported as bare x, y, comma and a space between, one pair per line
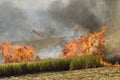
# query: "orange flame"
108, 64
94, 43
16, 53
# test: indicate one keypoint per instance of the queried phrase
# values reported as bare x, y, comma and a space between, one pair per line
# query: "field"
74, 68
103, 73
49, 65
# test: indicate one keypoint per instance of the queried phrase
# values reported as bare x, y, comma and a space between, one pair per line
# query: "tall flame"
16, 53
94, 43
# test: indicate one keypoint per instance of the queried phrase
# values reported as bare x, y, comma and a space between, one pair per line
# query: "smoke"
17, 22
52, 17
55, 18
51, 52
112, 37
11, 19
90, 14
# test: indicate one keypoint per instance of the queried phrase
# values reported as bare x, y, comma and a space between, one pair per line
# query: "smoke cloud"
17, 22
56, 18
114, 23
90, 14
11, 19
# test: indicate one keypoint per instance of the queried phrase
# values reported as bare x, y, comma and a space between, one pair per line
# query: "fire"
93, 44
16, 53
108, 64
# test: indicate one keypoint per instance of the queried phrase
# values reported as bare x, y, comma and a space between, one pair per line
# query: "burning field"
92, 44
85, 52
71, 35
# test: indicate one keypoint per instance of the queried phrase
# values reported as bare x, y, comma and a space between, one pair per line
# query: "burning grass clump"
72, 63
112, 59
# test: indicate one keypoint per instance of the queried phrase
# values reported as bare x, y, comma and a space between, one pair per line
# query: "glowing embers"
111, 58
94, 43
16, 53
106, 63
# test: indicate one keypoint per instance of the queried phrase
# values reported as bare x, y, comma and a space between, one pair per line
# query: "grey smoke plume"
54, 18
90, 14
51, 52
113, 31
18, 21
12, 22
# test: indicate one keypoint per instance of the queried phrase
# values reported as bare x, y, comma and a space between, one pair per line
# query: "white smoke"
54, 18
19, 17
50, 52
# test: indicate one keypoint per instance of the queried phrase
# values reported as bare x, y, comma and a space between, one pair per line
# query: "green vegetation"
49, 65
